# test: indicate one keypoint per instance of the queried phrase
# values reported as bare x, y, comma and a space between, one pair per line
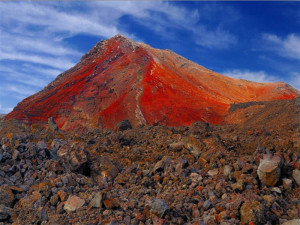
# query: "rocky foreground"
199, 174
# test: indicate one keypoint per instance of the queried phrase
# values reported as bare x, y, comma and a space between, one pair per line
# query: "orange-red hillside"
120, 79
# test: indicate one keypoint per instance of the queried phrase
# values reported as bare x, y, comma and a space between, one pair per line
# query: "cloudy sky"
258, 41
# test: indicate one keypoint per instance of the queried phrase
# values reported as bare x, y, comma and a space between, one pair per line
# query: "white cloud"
57, 62
260, 76
49, 72
40, 45
19, 89
214, 38
257, 76
295, 80
287, 47
49, 16
164, 17
5, 110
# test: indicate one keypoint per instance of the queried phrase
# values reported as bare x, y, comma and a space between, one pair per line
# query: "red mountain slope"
121, 79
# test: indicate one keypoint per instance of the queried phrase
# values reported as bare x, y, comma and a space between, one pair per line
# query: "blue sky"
258, 41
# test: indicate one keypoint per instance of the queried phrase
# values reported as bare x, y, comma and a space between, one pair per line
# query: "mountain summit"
120, 79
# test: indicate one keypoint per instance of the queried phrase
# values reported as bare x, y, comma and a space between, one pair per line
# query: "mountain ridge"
121, 79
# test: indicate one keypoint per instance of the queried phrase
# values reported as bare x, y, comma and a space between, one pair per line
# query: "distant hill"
121, 79
270, 113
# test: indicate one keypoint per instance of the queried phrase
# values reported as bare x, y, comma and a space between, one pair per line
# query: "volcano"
120, 79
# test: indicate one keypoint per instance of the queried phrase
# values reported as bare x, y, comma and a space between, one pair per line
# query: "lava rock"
123, 125
42, 214
269, 170
199, 127
54, 200
159, 207
5, 213
296, 176
73, 203
15, 155
62, 195
292, 222
52, 126
252, 212
72, 157
228, 171
162, 164
181, 164
287, 184
97, 201
6, 196
104, 167
177, 146
207, 204
111, 203
213, 172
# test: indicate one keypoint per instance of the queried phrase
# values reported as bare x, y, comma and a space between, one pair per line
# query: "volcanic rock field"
137, 135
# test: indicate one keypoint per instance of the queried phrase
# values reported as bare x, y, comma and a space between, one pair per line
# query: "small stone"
159, 207
213, 172
252, 212
42, 214
198, 127
60, 208
195, 177
73, 203
181, 164
6, 196
59, 184
207, 204
65, 180
194, 146
238, 186
41, 145
111, 203
160, 165
123, 125
73, 157
228, 171
107, 212
52, 126
15, 155
270, 199
4, 213
113, 222
269, 170
224, 196
296, 176
62, 195
287, 184
97, 200
276, 189
195, 212
54, 200
292, 222
176, 146
104, 167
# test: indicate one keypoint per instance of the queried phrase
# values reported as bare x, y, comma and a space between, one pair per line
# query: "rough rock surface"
148, 175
